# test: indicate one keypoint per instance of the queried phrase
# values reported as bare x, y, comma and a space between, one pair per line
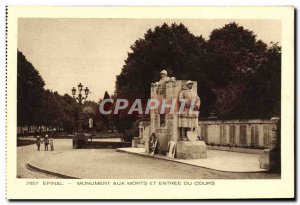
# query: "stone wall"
238, 133
255, 133
144, 134
106, 145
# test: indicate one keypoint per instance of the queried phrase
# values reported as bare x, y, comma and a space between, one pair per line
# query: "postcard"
149, 103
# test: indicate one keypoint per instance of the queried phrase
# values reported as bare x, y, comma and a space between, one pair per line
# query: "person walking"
51, 144
46, 142
38, 142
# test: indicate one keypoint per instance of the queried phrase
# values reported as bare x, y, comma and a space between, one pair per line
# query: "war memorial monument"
174, 129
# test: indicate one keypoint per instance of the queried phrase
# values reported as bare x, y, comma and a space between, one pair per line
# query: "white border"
287, 75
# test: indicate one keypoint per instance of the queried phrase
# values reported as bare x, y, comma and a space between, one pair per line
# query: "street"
109, 164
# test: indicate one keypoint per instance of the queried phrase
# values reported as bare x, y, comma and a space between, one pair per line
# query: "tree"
37, 106
172, 48
238, 76
262, 97
90, 109
70, 113
108, 106
241, 69
30, 88
113, 118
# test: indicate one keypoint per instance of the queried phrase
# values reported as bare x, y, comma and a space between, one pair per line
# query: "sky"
92, 51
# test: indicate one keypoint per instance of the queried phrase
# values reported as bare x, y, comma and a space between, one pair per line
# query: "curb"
37, 169
246, 172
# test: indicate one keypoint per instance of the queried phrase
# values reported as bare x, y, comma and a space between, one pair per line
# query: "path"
107, 163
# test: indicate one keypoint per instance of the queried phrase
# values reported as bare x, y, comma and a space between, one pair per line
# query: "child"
51, 144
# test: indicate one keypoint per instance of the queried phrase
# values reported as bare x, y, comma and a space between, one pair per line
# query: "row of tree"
238, 76
40, 107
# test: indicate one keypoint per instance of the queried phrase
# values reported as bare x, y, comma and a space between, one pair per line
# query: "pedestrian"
38, 142
51, 144
46, 142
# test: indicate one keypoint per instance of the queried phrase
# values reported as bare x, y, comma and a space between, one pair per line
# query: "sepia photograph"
70, 68
149, 98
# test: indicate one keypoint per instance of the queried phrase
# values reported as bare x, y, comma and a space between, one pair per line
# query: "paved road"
28, 153
107, 163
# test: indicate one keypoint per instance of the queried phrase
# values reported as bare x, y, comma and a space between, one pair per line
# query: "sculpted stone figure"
164, 77
161, 84
188, 113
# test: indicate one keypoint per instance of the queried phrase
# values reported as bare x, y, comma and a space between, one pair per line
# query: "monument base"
191, 150
270, 160
136, 141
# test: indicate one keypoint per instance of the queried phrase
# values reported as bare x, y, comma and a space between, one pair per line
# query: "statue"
173, 131
161, 84
164, 77
188, 114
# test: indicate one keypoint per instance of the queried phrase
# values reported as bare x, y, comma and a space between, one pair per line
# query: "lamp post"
91, 126
79, 141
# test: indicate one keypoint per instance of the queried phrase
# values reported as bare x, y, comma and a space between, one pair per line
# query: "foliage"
247, 73
238, 76
172, 48
108, 106
37, 106
90, 109
30, 88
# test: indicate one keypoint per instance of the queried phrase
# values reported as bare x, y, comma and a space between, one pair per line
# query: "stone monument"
175, 120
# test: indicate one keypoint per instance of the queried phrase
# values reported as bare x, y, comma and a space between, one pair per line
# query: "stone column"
271, 158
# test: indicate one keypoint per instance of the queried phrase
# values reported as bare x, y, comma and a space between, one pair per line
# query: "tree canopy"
247, 73
238, 76
38, 106
30, 88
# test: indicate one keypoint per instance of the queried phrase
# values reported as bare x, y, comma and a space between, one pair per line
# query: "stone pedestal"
270, 160
137, 142
191, 150
264, 159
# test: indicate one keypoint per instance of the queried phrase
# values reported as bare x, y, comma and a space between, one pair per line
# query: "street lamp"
77, 143
86, 91
91, 126
73, 91
80, 87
